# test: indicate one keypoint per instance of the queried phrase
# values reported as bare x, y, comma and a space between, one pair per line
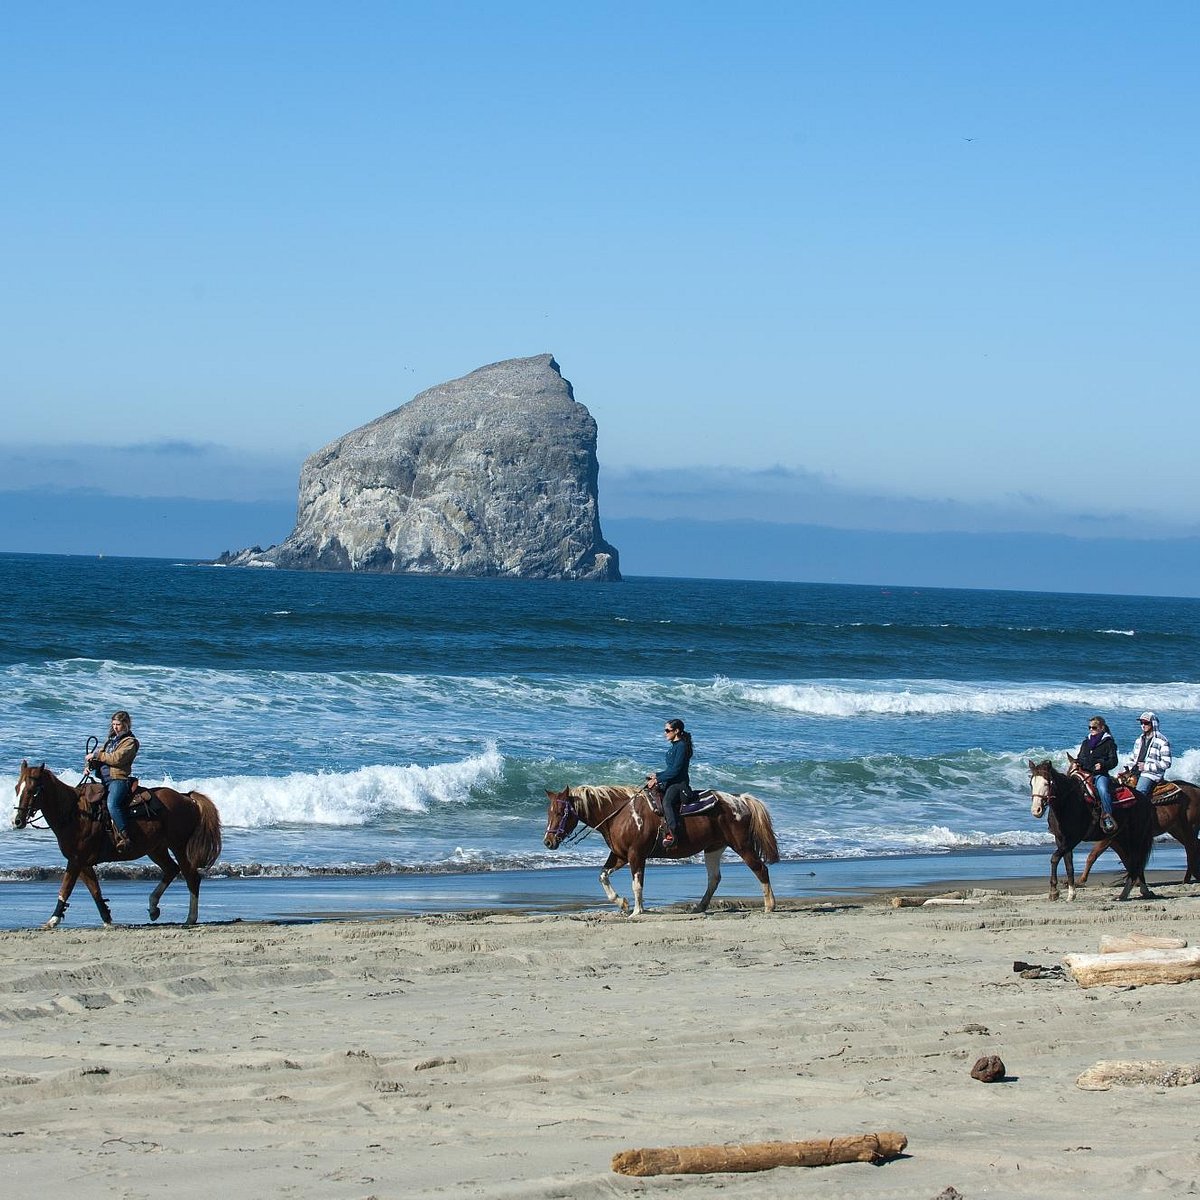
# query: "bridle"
1049, 796
30, 802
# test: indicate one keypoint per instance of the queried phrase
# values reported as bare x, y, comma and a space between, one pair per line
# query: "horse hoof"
154, 914
52, 923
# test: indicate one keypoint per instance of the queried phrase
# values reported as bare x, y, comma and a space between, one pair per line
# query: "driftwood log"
759, 1156
1134, 967
1105, 1074
1113, 944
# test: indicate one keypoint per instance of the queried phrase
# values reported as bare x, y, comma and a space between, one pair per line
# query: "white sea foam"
849, 698
347, 798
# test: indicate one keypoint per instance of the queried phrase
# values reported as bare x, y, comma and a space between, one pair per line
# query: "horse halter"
1045, 795
29, 802
568, 811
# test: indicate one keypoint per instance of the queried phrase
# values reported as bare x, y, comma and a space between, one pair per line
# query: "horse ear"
1031, 764
1072, 759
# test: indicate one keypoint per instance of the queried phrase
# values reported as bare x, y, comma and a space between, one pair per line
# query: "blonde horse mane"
590, 801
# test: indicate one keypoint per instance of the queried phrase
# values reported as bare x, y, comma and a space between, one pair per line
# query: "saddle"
697, 802
1123, 796
1166, 791
143, 803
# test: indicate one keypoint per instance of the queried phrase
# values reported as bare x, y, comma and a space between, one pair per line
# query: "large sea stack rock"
491, 474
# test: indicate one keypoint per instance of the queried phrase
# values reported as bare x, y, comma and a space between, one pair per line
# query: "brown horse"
1178, 815
184, 837
631, 827
1063, 799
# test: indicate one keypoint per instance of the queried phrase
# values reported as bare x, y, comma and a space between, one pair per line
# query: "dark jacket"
1101, 758
676, 770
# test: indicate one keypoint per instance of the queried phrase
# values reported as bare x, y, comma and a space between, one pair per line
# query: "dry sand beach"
512, 1055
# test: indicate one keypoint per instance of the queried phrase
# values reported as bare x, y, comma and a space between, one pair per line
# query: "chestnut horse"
631, 827
184, 837
1178, 815
1073, 820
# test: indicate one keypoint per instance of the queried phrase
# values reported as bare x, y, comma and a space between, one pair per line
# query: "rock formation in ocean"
491, 474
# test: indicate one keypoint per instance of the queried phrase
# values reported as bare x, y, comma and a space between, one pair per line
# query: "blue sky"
925, 266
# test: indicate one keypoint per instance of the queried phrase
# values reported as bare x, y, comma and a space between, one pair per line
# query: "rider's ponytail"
677, 725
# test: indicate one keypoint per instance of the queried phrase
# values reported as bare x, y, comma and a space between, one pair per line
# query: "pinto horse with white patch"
627, 821
1063, 799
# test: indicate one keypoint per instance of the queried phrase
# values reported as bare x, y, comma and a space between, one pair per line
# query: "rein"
585, 828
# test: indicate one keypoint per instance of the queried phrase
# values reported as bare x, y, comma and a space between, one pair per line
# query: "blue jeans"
117, 797
1145, 784
1104, 791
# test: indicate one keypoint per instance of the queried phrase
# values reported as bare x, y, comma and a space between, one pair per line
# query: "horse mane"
591, 801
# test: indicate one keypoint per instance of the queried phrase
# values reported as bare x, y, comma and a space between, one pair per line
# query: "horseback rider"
673, 778
113, 761
1151, 756
1097, 756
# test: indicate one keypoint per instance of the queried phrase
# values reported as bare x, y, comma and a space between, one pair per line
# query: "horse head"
30, 784
561, 818
1041, 788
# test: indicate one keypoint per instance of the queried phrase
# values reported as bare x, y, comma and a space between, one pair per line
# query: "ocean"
380, 743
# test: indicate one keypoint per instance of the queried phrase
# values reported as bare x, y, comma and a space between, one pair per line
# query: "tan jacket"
120, 758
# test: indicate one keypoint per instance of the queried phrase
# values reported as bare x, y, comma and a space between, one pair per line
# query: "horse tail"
1141, 840
761, 829
204, 846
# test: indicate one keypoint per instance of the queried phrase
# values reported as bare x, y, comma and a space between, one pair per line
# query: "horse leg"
1055, 859
1069, 862
161, 858
1182, 832
1192, 849
93, 886
64, 894
751, 858
637, 868
712, 864
1097, 850
613, 863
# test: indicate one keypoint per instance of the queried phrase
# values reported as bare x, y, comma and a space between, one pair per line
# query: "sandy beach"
511, 1055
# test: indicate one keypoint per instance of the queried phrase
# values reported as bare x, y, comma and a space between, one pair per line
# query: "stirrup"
1108, 823
668, 840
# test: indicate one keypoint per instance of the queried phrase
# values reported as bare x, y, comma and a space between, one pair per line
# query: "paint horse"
182, 836
1072, 819
626, 820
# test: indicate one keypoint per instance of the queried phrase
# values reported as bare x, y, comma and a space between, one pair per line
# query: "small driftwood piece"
1133, 968
1113, 944
759, 1156
1105, 1074
954, 901
907, 901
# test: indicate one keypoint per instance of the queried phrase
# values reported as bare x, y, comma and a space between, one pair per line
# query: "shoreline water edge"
251, 894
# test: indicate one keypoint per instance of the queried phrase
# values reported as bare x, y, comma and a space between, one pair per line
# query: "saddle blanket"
700, 802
